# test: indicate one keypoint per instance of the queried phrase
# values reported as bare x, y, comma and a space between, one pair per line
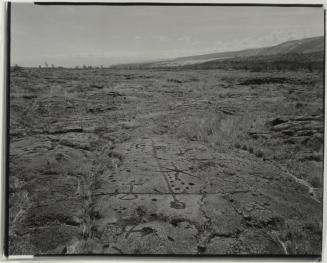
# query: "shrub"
316, 181
16, 68
237, 145
259, 153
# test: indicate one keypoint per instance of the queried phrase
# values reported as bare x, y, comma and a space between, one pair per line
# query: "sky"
107, 35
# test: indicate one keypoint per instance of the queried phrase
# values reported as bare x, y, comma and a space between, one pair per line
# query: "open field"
111, 161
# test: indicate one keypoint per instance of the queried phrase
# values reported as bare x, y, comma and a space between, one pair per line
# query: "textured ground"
165, 162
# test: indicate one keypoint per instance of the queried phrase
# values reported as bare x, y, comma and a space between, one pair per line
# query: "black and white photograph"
165, 129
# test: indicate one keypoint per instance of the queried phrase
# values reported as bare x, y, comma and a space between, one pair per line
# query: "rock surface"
165, 162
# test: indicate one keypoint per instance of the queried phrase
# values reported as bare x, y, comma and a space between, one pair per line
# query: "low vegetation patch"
216, 129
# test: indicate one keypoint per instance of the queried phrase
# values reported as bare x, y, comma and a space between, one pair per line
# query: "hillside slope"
303, 48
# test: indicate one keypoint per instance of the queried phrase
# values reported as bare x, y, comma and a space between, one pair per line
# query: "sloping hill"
303, 47
282, 61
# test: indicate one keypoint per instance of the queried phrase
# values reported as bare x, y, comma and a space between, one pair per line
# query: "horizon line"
81, 66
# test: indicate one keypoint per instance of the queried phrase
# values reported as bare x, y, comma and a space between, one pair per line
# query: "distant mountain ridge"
305, 45
302, 47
